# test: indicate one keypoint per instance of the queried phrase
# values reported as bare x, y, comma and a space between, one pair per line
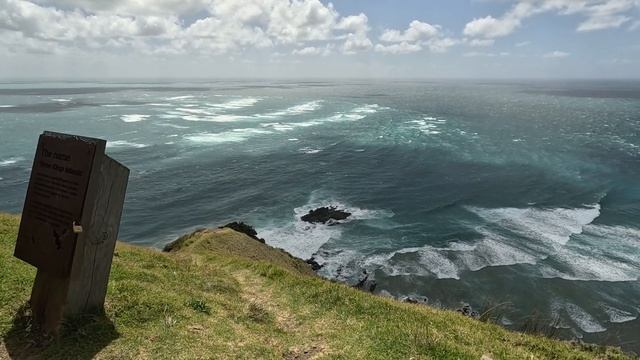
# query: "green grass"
219, 294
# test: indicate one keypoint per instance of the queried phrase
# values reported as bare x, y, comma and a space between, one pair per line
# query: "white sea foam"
494, 250
547, 231
547, 225
194, 111
304, 239
309, 150
125, 144
173, 126
278, 126
134, 117
428, 125
607, 253
583, 319
11, 161
354, 114
589, 268
114, 105
429, 261
294, 110
7, 106
236, 135
61, 100
236, 103
184, 97
618, 316
213, 118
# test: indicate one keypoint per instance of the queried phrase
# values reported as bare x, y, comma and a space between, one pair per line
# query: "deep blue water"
476, 192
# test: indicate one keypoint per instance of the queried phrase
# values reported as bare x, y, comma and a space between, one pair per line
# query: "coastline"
220, 293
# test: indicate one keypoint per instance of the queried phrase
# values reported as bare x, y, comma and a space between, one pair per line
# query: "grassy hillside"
221, 294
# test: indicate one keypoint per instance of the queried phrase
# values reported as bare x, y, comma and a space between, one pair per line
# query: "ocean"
521, 193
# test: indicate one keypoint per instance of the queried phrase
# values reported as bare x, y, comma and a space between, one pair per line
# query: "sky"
118, 39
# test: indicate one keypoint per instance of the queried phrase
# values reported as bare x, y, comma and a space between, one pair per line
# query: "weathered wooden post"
69, 225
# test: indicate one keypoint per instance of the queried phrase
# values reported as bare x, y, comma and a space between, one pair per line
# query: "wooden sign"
70, 224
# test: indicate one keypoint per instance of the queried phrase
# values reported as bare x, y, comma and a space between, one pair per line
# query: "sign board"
69, 225
55, 199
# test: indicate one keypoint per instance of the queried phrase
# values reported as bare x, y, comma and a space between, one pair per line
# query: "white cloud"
441, 45
417, 36
556, 55
149, 26
600, 14
358, 24
398, 48
313, 51
355, 43
523, 43
490, 27
417, 31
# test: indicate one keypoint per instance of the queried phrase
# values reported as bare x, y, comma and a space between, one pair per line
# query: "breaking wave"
303, 239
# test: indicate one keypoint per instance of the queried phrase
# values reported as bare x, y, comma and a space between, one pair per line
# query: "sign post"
70, 224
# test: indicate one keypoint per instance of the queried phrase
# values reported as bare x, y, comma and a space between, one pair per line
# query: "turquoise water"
524, 193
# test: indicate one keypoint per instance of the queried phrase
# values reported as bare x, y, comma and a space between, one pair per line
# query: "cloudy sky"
314, 38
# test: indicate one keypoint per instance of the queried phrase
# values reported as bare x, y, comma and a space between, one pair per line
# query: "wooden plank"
90, 274
55, 199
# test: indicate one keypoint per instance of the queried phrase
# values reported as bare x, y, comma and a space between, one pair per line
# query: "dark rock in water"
325, 214
366, 284
315, 266
245, 229
466, 310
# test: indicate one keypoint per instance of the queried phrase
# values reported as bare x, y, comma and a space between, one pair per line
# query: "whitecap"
11, 161
114, 105
304, 239
193, 111
134, 117
294, 110
214, 118
7, 106
494, 250
427, 125
430, 261
125, 144
61, 100
236, 135
617, 315
548, 225
583, 319
184, 97
589, 268
236, 103
299, 238
172, 126
278, 126
309, 150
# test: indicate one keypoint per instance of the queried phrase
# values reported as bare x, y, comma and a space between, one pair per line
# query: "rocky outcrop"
467, 311
245, 229
315, 266
326, 214
366, 284
421, 300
